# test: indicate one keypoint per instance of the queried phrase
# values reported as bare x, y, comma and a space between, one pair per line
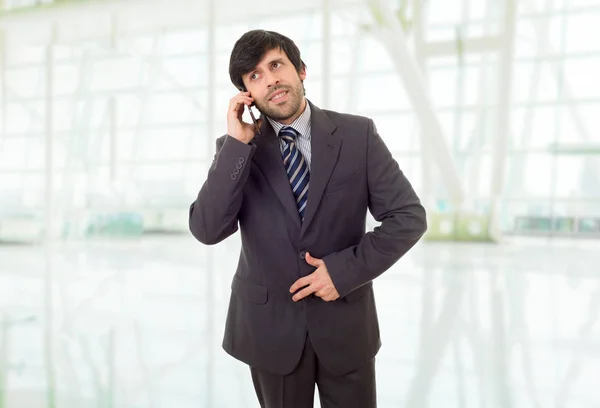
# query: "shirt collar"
301, 124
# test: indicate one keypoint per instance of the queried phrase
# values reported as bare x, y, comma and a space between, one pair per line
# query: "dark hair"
250, 49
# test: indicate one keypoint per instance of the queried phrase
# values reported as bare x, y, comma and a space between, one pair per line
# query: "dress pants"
355, 389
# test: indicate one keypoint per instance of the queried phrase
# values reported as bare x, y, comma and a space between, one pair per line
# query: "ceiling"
78, 20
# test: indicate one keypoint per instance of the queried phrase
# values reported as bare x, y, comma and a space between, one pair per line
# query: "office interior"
109, 113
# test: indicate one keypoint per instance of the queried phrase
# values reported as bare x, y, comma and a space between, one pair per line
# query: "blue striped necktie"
295, 167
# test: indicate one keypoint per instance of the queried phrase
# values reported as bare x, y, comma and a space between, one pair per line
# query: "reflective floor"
138, 324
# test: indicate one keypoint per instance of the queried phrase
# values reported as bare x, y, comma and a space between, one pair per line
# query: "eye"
276, 64
253, 76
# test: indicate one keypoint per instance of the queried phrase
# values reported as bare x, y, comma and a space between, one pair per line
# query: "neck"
297, 115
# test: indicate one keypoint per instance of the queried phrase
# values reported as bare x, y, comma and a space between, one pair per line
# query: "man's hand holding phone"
236, 127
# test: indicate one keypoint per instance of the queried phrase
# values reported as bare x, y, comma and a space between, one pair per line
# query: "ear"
302, 74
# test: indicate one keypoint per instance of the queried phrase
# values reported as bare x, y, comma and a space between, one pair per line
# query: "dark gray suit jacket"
247, 188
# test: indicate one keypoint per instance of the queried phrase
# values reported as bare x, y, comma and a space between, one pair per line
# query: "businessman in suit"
298, 185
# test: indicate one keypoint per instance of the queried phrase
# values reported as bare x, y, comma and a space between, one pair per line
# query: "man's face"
276, 87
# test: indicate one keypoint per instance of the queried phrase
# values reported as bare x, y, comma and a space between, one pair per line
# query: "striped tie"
296, 168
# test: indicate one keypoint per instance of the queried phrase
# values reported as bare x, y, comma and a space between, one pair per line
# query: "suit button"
240, 159
302, 254
233, 176
238, 166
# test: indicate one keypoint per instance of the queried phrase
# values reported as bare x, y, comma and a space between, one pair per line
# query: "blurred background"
109, 112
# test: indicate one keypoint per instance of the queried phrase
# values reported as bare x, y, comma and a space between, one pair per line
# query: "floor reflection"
133, 324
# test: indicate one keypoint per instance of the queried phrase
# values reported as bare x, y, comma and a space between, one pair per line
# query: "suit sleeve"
214, 215
394, 203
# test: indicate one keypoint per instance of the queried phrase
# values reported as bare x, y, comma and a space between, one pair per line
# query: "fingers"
313, 261
323, 293
301, 283
330, 298
318, 282
326, 293
303, 293
236, 104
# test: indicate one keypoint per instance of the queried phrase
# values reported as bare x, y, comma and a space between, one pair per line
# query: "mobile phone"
243, 89
254, 119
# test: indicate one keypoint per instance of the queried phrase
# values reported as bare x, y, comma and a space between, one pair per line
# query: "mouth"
279, 96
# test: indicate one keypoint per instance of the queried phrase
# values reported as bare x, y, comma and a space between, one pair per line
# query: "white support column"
557, 116
112, 109
426, 149
3, 90
4, 360
111, 362
49, 360
476, 139
326, 54
500, 149
459, 98
210, 264
148, 72
391, 34
353, 84
79, 145
49, 136
112, 152
516, 179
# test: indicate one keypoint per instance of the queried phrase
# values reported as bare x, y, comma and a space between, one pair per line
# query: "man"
302, 309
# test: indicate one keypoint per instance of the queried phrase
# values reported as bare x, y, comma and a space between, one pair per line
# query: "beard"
287, 109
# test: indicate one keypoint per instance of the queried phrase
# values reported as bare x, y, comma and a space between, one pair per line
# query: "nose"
271, 79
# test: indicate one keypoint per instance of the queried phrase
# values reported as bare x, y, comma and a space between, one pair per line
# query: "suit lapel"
268, 158
325, 148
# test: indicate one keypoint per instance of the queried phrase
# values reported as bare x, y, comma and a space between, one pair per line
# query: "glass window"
297, 26
26, 82
189, 41
24, 117
582, 29
535, 81
381, 93
442, 86
114, 73
374, 56
398, 131
533, 173
534, 127
172, 108
444, 11
20, 53
581, 77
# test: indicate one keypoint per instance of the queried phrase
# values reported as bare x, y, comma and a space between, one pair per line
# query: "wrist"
239, 139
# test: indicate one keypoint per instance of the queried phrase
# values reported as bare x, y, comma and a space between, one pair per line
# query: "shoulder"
351, 124
341, 118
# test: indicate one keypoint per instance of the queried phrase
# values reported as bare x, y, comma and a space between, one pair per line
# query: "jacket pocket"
340, 183
250, 292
